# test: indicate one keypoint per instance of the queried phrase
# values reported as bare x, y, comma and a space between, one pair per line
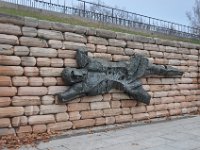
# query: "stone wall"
34, 52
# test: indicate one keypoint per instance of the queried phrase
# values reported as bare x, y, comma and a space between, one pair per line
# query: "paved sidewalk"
181, 134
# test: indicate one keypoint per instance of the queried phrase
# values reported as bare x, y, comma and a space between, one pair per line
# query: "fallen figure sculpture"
97, 76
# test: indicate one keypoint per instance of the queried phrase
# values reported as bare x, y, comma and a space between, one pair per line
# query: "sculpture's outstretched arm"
73, 92
82, 58
164, 70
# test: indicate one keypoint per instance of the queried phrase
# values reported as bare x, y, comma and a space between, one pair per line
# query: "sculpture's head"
73, 75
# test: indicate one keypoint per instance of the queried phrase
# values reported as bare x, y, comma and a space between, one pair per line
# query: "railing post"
112, 14
84, 9
50, 5
64, 6
149, 23
199, 34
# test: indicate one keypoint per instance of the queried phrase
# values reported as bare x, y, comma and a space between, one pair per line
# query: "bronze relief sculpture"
97, 76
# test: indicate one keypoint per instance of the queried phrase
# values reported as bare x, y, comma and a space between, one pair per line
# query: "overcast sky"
169, 10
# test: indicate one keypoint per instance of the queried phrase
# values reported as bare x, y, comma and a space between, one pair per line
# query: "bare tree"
120, 13
194, 15
99, 9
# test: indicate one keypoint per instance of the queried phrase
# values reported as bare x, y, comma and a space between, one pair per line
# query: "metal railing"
116, 16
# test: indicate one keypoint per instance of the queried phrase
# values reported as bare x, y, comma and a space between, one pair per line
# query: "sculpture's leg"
138, 94
73, 92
